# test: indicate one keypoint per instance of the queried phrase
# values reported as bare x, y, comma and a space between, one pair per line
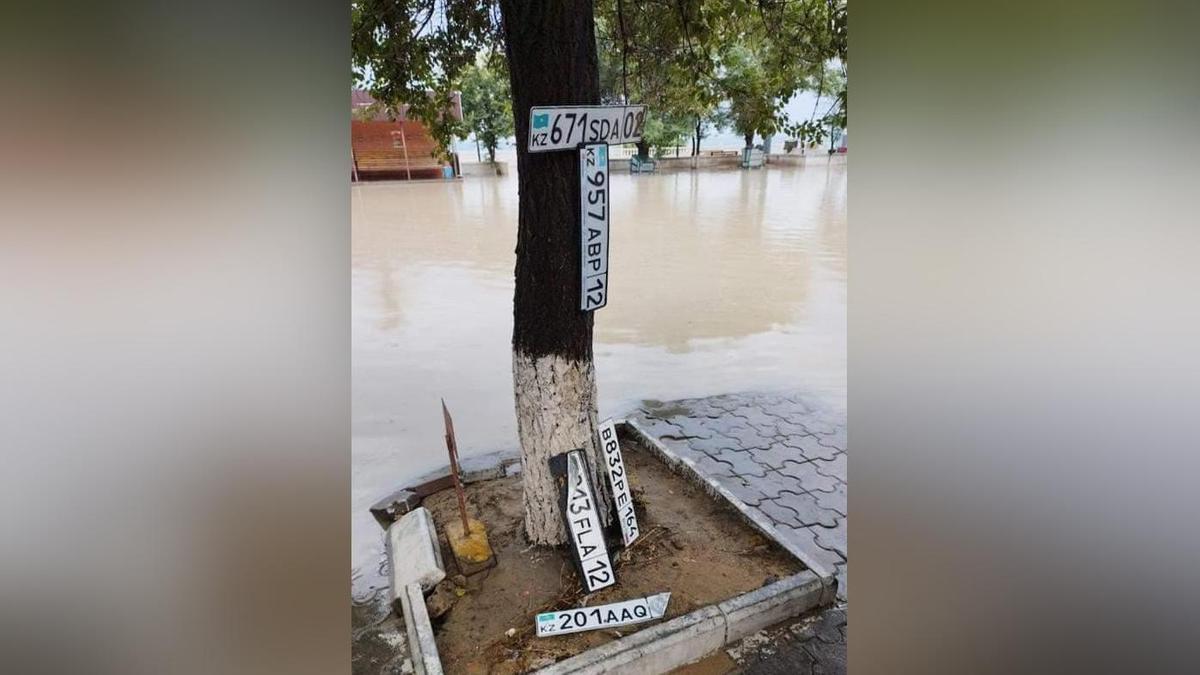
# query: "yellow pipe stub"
472, 550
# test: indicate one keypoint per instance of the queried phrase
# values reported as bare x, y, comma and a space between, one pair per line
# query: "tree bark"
551, 49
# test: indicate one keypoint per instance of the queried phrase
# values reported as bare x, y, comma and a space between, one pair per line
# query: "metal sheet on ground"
593, 228
565, 127
602, 616
618, 480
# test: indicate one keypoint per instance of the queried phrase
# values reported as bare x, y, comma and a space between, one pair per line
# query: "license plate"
619, 480
565, 127
583, 523
602, 616
593, 229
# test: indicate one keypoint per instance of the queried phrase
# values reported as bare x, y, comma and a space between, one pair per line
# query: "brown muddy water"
719, 282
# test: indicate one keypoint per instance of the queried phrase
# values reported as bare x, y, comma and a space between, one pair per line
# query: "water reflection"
719, 282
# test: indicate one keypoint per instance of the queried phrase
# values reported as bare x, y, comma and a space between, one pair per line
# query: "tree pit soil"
691, 544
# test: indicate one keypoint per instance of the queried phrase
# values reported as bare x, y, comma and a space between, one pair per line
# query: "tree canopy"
684, 58
413, 53
681, 58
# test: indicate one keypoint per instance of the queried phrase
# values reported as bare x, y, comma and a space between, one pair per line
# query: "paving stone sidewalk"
782, 454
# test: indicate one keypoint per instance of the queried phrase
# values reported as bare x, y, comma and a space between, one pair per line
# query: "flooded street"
720, 281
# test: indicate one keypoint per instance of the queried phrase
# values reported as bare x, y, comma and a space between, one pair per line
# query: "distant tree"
829, 88
830, 85
755, 93
487, 102
663, 132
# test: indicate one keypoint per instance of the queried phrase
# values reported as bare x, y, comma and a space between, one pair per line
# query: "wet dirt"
691, 545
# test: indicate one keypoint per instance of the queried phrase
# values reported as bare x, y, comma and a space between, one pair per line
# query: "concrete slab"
422, 647
393, 506
413, 553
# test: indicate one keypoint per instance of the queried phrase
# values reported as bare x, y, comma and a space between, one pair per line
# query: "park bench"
752, 158
393, 160
638, 165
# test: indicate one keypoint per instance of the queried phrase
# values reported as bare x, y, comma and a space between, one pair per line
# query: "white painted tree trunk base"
556, 412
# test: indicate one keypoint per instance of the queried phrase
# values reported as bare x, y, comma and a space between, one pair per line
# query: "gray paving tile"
791, 428
834, 466
810, 447
715, 445
727, 403
765, 430
779, 514
802, 538
749, 492
754, 414
777, 454
712, 446
748, 437
835, 440
808, 511
681, 448
743, 463
702, 407
820, 424
694, 427
774, 484
712, 467
808, 477
657, 427
834, 501
832, 538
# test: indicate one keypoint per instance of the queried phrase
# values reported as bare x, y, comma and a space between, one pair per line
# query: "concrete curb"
693, 636
751, 612
422, 647
688, 469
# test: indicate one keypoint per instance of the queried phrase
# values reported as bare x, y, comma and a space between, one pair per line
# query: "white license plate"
583, 523
565, 127
602, 616
619, 480
593, 228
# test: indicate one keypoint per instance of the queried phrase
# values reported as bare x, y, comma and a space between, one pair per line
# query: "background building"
387, 145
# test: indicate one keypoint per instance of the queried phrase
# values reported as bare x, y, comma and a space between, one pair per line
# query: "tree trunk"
551, 48
696, 150
643, 149
749, 141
